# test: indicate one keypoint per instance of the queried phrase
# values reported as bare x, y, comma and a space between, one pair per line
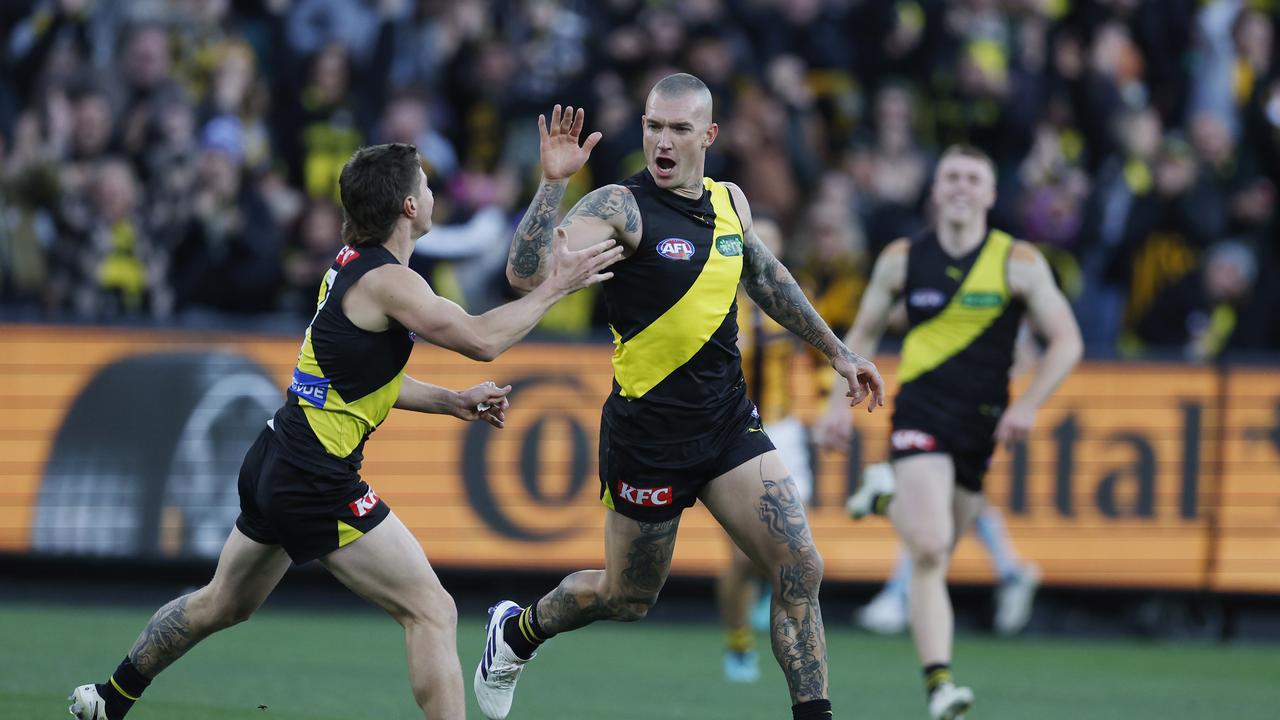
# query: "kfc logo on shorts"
365, 505
649, 497
346, 255
676, 249
912, 440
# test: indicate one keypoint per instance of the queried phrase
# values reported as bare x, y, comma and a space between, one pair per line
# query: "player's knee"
436, 608
634, 609
798, 578
631, 607
930, 553
222, 609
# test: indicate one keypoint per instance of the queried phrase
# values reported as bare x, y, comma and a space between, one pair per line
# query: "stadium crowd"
176, 160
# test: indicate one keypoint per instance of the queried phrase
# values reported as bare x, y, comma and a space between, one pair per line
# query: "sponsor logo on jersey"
364, 505
729, 245
311, 388
912, 440
676, 249
927, 298
649, 497
346, 255
981, 299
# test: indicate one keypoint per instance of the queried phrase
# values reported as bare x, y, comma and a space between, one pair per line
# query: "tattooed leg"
247, 573
638, 558
166, 638
758, 504
799, 638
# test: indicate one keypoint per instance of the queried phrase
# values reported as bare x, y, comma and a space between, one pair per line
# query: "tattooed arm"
527, 260
561, 157
605, 213
771, 286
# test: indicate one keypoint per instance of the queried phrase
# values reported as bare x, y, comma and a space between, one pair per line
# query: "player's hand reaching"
1015, 424
863, 378
486, 402
572, 270
561, 154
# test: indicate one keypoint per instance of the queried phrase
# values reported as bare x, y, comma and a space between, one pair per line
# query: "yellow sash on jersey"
669, 342
981, 298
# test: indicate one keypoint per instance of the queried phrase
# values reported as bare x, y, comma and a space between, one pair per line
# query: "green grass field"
350, 666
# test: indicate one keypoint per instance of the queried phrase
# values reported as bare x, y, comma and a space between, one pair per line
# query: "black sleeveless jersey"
672, 310
346, 379
963, 324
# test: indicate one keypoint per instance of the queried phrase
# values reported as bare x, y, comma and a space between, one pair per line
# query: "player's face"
964, 189
425, 202
677, 132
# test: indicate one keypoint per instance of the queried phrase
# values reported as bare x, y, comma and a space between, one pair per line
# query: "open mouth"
665, 165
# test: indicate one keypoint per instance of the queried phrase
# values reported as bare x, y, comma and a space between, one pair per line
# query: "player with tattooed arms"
678, 426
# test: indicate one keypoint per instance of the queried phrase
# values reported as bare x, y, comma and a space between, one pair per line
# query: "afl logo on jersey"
676, 249
927, 298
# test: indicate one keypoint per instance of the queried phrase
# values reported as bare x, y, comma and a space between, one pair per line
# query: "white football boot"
949, 702
1014, 599
499, 668
87, 704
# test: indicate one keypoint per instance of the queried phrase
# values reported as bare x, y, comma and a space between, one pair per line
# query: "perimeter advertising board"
127, 443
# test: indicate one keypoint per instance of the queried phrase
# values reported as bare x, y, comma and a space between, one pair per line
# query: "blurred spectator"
107, 265
889, 169
230, 253
234, 90
758, 142
407, 120
52, 40
832, 263
27, 234
831, 114
149, 87
1124, 180
309, 256
320, 128
1208, 310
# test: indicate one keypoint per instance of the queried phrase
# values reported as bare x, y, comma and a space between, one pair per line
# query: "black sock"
936, 675
120, 690
811, 710
523, 633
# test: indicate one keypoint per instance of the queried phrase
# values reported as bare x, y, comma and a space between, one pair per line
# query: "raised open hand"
562, 156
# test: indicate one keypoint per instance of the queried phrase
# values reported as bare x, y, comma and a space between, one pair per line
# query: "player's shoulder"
1023, 251
899, 246
736, 196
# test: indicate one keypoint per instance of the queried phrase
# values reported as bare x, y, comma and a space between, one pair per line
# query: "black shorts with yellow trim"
969, 443
309, 516
655, 481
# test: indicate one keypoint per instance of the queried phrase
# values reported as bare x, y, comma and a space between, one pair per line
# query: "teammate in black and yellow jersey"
966, 288
301, 496
678, 426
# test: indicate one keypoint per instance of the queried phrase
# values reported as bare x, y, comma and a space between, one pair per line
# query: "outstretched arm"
772, 287
561, 158
463, 404
396, 292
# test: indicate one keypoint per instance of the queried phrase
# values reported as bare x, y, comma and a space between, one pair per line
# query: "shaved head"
681, 84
